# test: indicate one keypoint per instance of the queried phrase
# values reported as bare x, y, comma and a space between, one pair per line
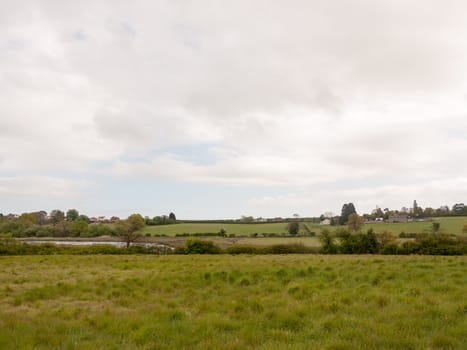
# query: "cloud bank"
302, 98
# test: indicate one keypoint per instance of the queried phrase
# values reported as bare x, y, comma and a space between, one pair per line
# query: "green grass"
233, 302
448, 225
269, 241
237, 229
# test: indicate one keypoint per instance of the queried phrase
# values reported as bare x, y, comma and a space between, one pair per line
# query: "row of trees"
161, 220
67, 224
126, 230
344, 242
416, 211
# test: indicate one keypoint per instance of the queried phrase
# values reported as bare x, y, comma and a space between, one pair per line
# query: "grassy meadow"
233, 302
448, 225
236, 229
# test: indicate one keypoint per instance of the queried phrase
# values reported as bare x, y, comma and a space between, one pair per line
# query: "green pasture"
236, 229
233, 302
269, 241
448, 225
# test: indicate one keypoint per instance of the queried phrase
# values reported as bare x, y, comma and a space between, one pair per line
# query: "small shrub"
197, 246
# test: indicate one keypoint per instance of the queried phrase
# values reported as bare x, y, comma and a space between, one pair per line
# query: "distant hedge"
427, 244
51, 249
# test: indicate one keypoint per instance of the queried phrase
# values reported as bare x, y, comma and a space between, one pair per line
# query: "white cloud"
42, 186
434, 193
298, 94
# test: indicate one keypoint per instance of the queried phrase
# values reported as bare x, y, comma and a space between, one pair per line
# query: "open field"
233, 302
236, 229
269, 241
448, 225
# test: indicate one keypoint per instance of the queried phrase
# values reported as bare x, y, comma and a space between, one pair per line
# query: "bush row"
65, 229
207, 247
370, 243
428, 244
51, 249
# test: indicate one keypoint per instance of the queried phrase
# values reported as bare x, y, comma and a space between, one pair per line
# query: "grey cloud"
313, 90
244, 58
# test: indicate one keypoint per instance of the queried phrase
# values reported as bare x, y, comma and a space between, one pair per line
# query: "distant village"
378, 215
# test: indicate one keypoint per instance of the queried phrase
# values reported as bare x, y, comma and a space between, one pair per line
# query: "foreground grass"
233, 302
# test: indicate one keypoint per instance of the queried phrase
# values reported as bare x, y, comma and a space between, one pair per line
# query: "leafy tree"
197, 246
61, 228
41, 217
222, 232
127, 229
328, 246
83, 218
354, 222
72, 215
428, 212
56, 216
172, 217
347, 209
79, 228
386, 238
359, 243
247, 219
435, 227
293, 227
27, 219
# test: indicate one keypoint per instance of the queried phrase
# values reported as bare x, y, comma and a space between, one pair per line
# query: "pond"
118, 244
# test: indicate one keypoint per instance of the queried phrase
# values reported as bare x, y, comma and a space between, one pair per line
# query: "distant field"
448, 225
233, 302
269, 241
237, 229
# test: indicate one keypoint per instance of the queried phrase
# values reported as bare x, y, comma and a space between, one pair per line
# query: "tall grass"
233, 302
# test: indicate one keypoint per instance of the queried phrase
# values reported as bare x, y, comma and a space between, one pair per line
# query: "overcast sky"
217, 109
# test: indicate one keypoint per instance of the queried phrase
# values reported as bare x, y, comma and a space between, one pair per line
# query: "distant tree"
347, 209
172, 217
56, 216
386, 238
26, 220
72, 215
328, 246
61, 228
428, 212
435, 227
41, 217
197, 246
293, 227
354, 222
247, 219
78, 228
222, 232
459, 209
83, 218
127, 229
359, 243
377, 213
